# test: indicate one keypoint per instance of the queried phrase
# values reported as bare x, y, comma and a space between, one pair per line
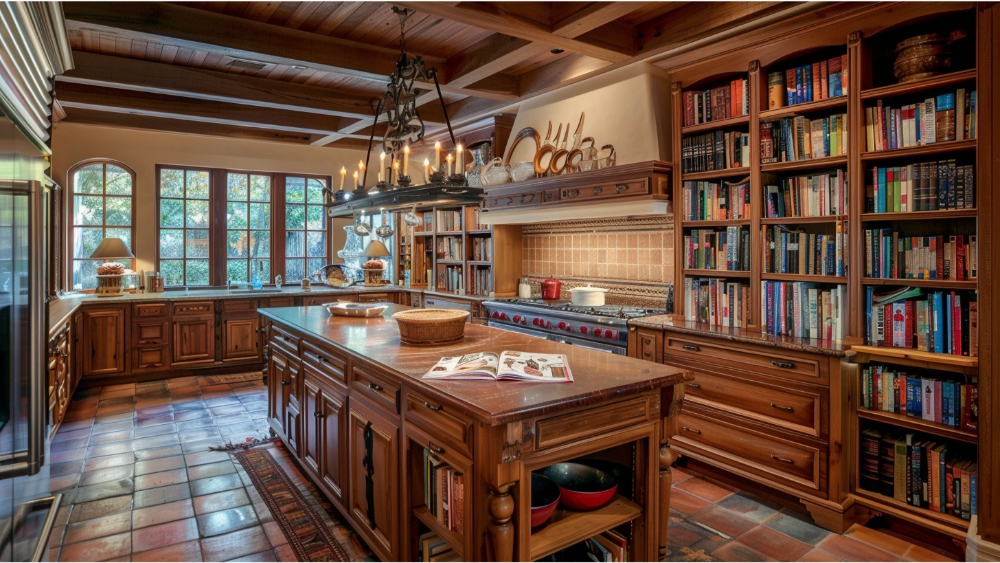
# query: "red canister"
550, 289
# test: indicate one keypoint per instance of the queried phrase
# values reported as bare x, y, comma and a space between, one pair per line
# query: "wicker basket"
431, 327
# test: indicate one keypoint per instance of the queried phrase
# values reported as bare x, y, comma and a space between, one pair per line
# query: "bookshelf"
867, 58
453, 249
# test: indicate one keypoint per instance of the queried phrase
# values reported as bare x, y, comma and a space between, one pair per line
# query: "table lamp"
374, 268
109, 274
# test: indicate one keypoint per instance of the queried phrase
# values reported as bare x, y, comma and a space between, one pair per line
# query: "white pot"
588, 296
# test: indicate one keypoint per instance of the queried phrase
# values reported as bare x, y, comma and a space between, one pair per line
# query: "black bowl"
621, 473
544, 498
582, 487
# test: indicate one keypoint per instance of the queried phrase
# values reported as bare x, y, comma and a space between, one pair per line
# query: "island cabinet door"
374, 479
275, 389
292, 423
332, 438
104, 341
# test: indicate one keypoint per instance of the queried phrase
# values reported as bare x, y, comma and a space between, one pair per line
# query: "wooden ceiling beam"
698, 20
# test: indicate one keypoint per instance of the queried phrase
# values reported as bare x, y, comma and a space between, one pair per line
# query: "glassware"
495, 173
363, 229
522, 171
352, 246
386, 230
480, 154
412, 219
277, 281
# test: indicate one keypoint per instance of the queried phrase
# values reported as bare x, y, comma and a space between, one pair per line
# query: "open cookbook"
517, 366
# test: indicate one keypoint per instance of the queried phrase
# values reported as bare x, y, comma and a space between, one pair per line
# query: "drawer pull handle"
781, 408
597, 191
431, 447
784, 365
693, 385
691, 348
318, 414
375, 387
619, 188
781, 459
321, 359
432, 407
286, 383
691, 430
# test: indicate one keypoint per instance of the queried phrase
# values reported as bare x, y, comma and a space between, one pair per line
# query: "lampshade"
376, 248
113, 248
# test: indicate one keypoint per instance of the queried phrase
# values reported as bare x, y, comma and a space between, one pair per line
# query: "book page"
534, 367
480, 365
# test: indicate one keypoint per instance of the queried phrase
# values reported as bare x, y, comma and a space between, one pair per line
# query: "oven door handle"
569, 343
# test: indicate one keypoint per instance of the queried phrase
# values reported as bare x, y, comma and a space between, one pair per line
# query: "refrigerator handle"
39, 330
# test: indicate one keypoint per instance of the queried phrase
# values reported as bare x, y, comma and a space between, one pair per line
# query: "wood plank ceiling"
312, 72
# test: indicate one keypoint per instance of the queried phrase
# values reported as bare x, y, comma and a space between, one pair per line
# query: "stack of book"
804, 310
717, 302
796, 252
892, 255
816, 81
718, 103
706, 249
449, 221
451, 278
947, 117
608, 547
717, 150
792, 139
940, 322
712, 201
450, 248
482, 249
815, 195
477, 224
925, 186
444, 492
427, 226
918, 470
944, 401
433, 548
482, 281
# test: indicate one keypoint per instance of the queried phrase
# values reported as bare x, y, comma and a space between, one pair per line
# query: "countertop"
807, 345
598, 376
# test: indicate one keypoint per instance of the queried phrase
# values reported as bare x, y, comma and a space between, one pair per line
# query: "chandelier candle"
395, 172
447, 170
343, 173
406, 160
437, 155
459, 159
355, 179
381, 165
427, 172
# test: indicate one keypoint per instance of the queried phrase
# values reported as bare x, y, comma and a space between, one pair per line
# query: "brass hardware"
619, 188
432, 407
430, 446
781, 459
691, 430
785, 365
781, 408
375, 387
691, 348
693, 385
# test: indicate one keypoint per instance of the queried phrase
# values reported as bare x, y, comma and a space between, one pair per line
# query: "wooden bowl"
431, 327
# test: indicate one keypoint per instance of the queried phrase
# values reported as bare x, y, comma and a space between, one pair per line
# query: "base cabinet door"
194, 339
104, 341
241, 337
374, 486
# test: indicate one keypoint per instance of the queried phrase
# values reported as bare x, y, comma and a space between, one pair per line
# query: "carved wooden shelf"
567, 527
920, 215
802, 220
451, 537
801, 109
920, 424
879, 352
923, 150
801, 165
920, 85
944, 523
939, 284
739, 120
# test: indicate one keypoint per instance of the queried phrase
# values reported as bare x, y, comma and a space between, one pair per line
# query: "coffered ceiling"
312, 72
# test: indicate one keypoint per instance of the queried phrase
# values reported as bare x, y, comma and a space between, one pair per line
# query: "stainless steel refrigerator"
27, 511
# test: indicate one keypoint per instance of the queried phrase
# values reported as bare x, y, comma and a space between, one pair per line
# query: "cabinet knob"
286, 383
318, 414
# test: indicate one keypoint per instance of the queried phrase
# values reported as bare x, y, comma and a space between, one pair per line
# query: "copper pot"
551, 289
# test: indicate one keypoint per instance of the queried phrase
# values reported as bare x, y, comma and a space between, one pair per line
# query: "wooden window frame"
217, 199
278, 251
71, 225
212, 214
225, 230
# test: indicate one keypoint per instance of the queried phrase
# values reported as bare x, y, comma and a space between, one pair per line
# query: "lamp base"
109, 286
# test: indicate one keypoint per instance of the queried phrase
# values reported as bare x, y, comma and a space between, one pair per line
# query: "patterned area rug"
305, 530
232, 378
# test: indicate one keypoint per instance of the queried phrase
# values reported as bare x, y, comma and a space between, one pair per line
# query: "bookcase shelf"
802, 220
717, 223
922, 150
713, 125
801, 165
453, 539
803, 278
717, 174
919, 424
567, 527
933, 83
920, 215
804, 108
939, 284
944, 523
888, 354
694, 272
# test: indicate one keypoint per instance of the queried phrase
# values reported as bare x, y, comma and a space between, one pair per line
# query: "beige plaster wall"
143, 150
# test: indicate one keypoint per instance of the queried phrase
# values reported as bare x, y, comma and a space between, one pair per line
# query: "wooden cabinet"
645, 344
329, 297
194, 339
150, 337
61, 380
241, 337
104, 341
324, 431
374, 478
285, 372
377, 297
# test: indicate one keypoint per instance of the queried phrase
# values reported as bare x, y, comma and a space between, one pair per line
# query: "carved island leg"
501, 507
673, 398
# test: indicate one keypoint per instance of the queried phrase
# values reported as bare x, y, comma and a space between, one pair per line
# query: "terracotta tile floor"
139, 484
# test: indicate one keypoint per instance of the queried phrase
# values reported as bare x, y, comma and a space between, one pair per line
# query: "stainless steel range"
597, 328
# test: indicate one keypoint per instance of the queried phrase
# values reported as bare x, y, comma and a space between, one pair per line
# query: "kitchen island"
348, 400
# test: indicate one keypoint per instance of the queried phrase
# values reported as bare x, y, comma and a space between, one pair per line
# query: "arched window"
103, 202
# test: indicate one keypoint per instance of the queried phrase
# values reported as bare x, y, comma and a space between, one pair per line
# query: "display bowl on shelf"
544, 499
582, 487
431, 327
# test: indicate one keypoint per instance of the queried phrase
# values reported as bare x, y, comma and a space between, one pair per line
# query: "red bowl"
544, 498
582, 487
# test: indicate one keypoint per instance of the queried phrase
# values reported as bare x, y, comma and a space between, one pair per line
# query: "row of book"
449, 248
444, 492
813, 195
714, 201
792, 139
718, 103
449, 221
482, 249
892, 255
948, 402
804, 310
433, 548
816, 81
451, 278
796, 252
717, 302
428, 225
482, 281
947, 117
717, 150
926, 186
918, 470
477, 223
609, 546
718, 250
940, 322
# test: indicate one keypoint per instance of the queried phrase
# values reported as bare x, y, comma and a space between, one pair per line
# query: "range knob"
564, 326
597, 332
583, 330
517, 318
536, 321
494, 315
503, 316
612, 334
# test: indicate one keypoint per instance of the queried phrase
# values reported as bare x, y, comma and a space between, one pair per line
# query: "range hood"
426, 195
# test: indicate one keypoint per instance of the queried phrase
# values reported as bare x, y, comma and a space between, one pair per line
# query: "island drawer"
149, 310
440, 421
285, 341
768, 361
194, 308
565, 428
381, 389
330, 365
747, 448
792, 406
